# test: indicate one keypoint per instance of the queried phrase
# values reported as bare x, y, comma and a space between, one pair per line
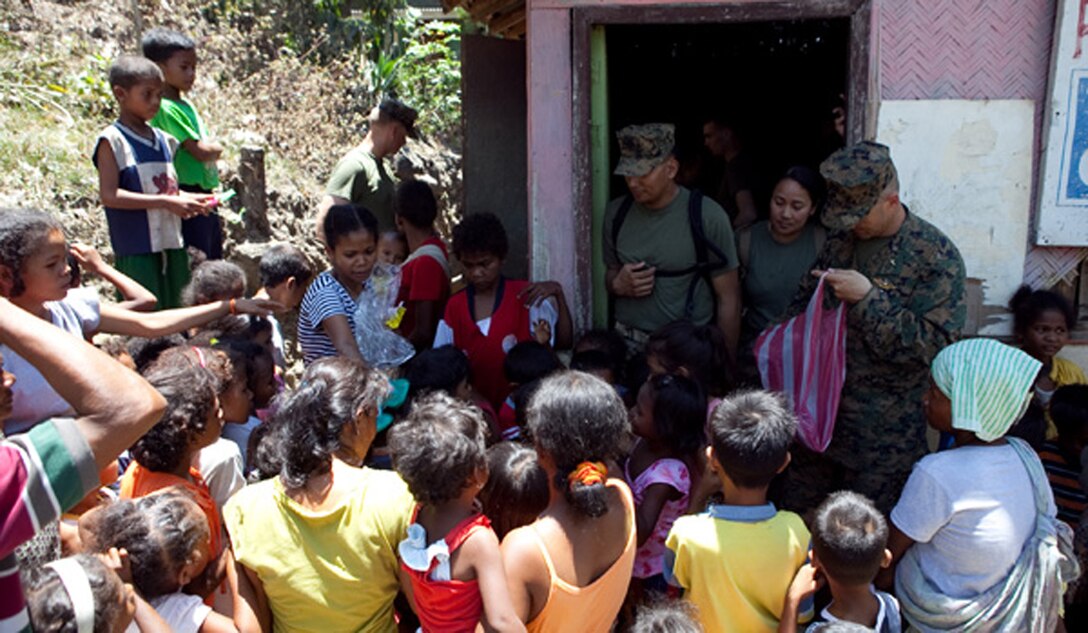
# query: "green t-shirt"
663, 239
773, 274
362, 179
180, 120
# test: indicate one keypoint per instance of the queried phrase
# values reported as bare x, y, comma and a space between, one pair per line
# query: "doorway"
775, 70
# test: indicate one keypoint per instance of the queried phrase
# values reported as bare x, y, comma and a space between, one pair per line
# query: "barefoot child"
139, 187
440, 452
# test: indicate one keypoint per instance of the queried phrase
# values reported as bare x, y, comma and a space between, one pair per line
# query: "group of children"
485, 481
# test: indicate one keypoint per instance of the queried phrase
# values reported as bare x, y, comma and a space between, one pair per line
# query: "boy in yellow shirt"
736, 561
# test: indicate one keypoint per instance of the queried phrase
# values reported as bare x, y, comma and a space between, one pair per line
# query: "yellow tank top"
593, 608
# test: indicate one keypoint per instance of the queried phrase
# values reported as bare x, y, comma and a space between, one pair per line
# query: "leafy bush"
428, 77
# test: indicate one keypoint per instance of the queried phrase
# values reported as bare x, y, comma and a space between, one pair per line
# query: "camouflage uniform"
915, 308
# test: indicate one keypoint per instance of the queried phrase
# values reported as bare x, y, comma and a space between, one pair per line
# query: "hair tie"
588, 474
200, 356
78, 586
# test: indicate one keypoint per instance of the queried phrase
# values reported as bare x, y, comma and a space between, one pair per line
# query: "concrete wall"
966, 167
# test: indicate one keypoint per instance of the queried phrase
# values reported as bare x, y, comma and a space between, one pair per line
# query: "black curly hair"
21, 235
478, 234
438, 447
698, 350
309, 421
576, 417
679, 413
50, 607
190, 392
160, 532
1028, 305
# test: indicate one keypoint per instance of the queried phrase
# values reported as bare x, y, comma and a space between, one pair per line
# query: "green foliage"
429, 79
91, 87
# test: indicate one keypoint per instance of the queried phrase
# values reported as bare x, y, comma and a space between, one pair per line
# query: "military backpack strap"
703, 249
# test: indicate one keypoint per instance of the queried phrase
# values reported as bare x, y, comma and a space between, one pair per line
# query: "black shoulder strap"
621, 215
703, 248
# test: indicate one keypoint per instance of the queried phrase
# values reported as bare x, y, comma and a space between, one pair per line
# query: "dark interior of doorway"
778, 81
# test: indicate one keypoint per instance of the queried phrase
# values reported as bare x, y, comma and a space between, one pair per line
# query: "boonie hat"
856, 177
643, 147
396, 110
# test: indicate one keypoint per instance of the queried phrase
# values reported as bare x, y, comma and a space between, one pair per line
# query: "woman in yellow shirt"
318, 542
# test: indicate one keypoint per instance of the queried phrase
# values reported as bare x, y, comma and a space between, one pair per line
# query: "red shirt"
423, 279
509, 326
448, 605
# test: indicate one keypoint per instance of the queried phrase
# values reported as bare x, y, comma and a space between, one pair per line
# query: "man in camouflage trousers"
904, 282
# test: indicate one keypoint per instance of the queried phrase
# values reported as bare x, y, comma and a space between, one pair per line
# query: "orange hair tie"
588, 474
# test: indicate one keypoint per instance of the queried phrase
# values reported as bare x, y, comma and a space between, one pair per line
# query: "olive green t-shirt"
662, 238
773, 274
362, 179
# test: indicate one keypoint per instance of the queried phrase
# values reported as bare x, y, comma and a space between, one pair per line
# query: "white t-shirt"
184, 613
969, 510
33, 400
221, 467
545, 309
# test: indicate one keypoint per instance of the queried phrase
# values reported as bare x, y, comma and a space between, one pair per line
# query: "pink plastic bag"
805, 358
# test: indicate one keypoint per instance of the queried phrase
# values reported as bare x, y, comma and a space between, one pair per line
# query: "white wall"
966, 166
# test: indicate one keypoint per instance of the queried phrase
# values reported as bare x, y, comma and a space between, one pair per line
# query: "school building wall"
958, 89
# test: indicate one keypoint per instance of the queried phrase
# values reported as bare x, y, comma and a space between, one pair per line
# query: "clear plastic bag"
376, 314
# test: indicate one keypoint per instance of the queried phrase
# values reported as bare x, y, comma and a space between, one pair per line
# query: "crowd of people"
507, 472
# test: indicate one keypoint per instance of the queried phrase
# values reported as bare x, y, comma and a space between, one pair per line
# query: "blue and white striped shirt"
325, 298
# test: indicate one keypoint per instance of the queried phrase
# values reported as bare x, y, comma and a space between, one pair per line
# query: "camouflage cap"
397, 111
643, 147
856, 177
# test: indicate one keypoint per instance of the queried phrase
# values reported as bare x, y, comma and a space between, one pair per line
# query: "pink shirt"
671, 472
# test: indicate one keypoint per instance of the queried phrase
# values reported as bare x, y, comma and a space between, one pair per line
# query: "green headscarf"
989, 384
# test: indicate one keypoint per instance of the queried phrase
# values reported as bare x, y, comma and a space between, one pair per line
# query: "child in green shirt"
195, 160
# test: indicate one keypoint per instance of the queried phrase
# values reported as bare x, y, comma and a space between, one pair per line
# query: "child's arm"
647, 512
136, 296
117, 320
482, 549
203, 150
184, 205
245, 619
252, 612
114, 406
147, 619
804, 585
534, 293
338, 330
